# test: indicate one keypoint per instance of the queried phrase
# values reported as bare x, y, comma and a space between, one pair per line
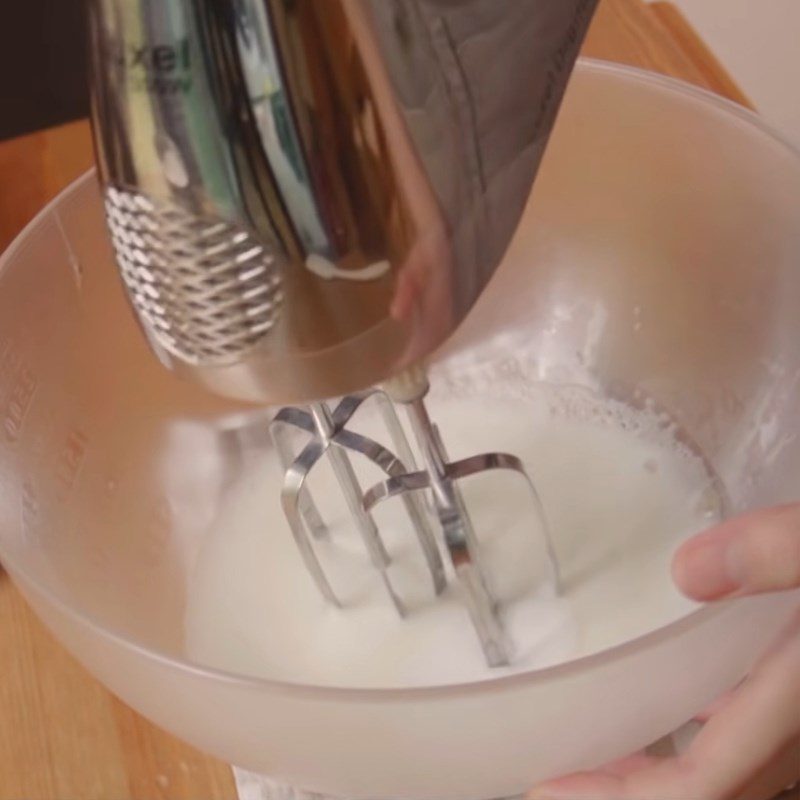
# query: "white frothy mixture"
619, 494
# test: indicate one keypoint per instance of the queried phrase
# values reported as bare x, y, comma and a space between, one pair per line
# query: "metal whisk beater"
441, 516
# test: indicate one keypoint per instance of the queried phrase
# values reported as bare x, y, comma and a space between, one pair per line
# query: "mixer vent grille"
205, 288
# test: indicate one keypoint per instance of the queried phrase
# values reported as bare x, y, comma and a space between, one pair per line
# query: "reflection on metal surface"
324, 268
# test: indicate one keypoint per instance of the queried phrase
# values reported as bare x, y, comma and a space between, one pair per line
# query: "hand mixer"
305, 198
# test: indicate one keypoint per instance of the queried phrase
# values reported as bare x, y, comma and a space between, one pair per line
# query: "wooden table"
64, 737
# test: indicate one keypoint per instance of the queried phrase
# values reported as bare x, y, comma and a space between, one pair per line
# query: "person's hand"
749, 745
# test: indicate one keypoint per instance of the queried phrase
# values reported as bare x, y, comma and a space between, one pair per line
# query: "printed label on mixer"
561, 62
163, 69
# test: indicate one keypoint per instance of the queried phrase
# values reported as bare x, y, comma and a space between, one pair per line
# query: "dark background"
42, 64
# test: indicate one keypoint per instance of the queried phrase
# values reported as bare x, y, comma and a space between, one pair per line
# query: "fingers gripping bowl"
666, 221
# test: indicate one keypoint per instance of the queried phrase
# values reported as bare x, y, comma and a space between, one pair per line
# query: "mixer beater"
332, 436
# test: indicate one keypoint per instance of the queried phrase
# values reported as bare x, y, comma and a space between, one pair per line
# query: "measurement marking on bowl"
30, 511
76, 269
157, 530
69, 461
19, 403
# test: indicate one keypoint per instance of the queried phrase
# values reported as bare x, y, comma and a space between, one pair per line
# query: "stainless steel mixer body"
306, 197
239, 142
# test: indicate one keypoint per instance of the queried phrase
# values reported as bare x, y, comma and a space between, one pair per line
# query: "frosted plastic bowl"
670, 216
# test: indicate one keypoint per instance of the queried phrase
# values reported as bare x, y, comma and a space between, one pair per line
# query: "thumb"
757, 552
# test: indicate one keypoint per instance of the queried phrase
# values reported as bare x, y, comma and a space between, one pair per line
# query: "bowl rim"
332, 692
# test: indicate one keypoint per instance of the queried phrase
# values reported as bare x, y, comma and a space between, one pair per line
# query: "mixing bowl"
659, 257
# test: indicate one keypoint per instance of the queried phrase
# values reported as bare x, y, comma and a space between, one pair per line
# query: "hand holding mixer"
306, 198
